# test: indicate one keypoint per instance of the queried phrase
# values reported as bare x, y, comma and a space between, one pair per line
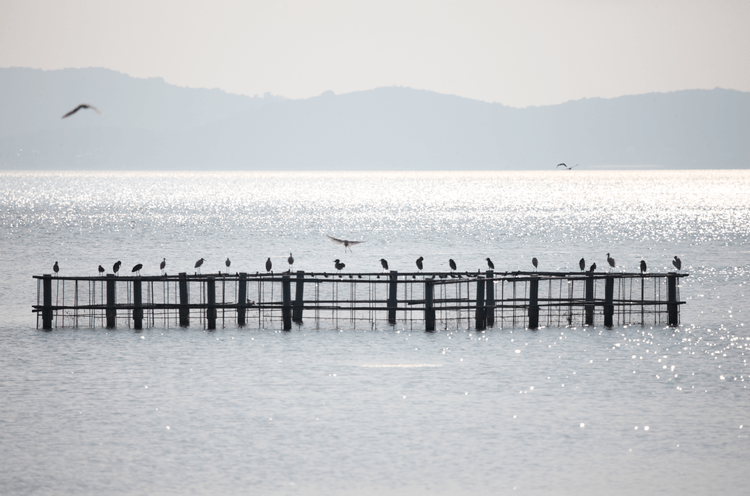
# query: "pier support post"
137, 304
609, 307
672, 306
211, 309
47, 302
534, 302
242, 297
299, 297
489, 309
479, 314
429, 305
392, 296
286, 306
184, 308
589, 307
111, 298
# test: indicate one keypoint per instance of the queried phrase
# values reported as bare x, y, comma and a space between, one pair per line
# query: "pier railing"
430, 301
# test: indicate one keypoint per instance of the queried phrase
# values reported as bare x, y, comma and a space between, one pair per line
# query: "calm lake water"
578, 411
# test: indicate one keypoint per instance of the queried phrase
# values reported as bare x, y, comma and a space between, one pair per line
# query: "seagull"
676, 262
384, 263
228, 263
562, 164
290, 261
535, 262
82, 106
137, 268
101, 270
490, 264
344, 242
452, 264
582, 264
56, 268
338, 264
419, 263
163, 264
593, 267
199, 263
268, 265
611, 262
643, 266
116, 267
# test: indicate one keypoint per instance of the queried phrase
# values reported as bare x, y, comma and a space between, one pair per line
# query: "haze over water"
390, 410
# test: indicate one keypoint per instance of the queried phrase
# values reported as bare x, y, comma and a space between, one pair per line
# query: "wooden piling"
111, 301
392, 296
429, 305
211, 304
479, 313
299, 297
47, 301
609, 307
672, 305
589, 307
489, 309
137, 304
286, 304
534, 302
184, 308
242, 303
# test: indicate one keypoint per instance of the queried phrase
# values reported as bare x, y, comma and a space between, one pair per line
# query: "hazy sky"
519, 53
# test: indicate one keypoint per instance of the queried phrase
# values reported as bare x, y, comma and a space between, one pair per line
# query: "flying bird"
582, 264
269, 265
452, 264
384, 263
535, 262
56, 268
677, 262
562, 164
611, 262
344, 242
490, 264
643, 266
116, 267
419, 263
137, 268
82, 106
338, 264
163, 264
290, 261
199, 263
101, 270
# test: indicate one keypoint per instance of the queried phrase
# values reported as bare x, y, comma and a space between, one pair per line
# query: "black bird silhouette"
290, 261
199, 263
227, 262
677, 262
269, 265
419, 263
593, 267
116, 267
643, 266
611, 262
82, 106
137, 268
452, 264
490, 264
384, 263
562, 164
535, 263
163, 264
582, 264
347, 243
56, 268
338, 264
101, 270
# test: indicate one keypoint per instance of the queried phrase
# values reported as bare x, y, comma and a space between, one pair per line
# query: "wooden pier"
430, 301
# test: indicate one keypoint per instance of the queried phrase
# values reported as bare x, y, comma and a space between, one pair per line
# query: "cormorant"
56, 268
643, 266
535, 263
419, 263
384, 263
490, 264
582, 264
452, 264
677, 262
593, 267
227, 262
116, 267
269, 265
338, 264
101, 270
163, 264
137, 268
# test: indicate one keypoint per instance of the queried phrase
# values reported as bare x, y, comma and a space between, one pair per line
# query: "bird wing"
82, 106
72, 111
343, 241
562, 164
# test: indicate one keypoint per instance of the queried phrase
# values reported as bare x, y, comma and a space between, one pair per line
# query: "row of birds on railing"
339, 265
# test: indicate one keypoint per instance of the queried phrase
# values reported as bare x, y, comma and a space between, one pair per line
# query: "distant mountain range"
149, 124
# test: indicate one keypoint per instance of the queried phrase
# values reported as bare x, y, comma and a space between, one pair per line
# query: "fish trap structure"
435, 300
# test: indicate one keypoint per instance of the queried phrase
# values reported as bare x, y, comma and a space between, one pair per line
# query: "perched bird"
82, 106
677, 262
116, 267
137, 268
643, 266
535, 263
290, 261
384, 263
452, 264
562, 164
419, 263
101, 270
199, 263
338, 264
344, 242
268, 265
490, 264
227, 262
163, 264
56, 268
611, 262
582, 264
593, 267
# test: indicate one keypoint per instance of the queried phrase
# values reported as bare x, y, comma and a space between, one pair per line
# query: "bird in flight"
344, 242
568, 167
82, 106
